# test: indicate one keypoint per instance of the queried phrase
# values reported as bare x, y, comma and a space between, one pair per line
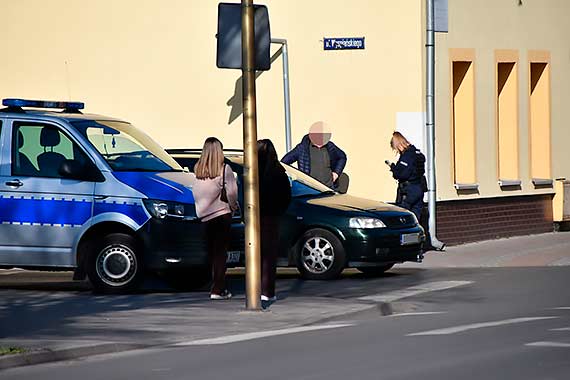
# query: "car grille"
400, 221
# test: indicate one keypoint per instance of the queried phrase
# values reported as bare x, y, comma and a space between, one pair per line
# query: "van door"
41, 213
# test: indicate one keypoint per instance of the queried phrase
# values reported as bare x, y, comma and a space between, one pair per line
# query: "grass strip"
11, 350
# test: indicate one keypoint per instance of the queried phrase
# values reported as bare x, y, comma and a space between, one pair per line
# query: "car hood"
346, 202
166, 186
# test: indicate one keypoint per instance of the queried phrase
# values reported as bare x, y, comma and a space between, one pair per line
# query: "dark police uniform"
412, 184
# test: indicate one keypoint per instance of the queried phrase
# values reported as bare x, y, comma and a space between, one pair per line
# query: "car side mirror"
72, 169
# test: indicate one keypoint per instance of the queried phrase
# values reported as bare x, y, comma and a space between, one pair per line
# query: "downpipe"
430, 125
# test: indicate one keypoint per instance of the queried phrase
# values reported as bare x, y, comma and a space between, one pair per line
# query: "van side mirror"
73, 169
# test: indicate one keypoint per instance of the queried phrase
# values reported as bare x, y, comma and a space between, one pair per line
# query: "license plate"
233, 257
407, 239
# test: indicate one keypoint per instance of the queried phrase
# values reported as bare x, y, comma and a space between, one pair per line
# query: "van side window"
39, 150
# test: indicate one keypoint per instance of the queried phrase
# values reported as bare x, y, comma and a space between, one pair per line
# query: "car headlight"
366, 223
162, 209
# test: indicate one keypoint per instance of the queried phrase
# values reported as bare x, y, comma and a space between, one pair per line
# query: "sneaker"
268, 299
224, 295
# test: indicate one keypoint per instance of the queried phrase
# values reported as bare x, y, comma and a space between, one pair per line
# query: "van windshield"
126, 148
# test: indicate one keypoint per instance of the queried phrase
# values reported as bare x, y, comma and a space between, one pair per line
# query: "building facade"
502, 80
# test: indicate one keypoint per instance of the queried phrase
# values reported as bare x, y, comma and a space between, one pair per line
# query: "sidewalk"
551, 249
71, 323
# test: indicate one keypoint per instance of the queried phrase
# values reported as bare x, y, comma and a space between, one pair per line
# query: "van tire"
114, 264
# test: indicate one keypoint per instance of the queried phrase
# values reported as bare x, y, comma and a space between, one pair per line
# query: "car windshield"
125, 148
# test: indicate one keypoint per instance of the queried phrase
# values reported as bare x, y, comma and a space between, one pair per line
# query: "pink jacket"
207, 196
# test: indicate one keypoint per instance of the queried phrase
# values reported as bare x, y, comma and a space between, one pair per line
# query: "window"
463, 118
507, 117
125, 148
539, 116
40, 149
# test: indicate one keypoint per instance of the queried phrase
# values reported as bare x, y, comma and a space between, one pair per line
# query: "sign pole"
251, 175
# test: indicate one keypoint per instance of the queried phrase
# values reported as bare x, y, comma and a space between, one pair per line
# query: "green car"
324, 232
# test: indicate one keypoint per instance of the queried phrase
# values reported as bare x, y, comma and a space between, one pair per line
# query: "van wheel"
320, 255
376, 271
114, 264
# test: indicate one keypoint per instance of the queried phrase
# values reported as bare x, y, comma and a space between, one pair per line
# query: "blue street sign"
343, 43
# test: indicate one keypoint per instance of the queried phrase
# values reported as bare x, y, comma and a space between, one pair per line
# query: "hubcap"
317, 255
116, 265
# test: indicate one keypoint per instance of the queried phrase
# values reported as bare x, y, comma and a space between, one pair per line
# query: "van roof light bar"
70, 106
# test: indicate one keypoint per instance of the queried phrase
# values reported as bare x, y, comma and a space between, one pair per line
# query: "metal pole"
430, 125
251, 175
286, 95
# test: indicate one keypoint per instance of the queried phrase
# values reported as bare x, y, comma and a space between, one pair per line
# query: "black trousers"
269, 250
411, 197
218, 239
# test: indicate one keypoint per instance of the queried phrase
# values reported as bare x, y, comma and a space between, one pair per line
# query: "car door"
41, 213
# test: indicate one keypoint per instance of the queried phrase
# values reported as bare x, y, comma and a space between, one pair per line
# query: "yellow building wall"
153, 63
487, 26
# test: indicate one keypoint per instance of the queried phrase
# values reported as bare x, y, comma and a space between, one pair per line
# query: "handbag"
223, 193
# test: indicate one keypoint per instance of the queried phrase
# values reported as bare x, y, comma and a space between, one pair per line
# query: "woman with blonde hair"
215, 194
410, 173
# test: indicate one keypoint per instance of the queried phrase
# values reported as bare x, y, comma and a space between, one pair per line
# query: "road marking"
458, 329
418, 313
258, 335
548, 344
561, 308
561, 329
11, 271
414, 290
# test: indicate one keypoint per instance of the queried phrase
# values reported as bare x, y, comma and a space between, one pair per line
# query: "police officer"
410, 173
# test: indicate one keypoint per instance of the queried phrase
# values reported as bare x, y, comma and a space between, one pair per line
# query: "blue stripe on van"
134, 211
46, 211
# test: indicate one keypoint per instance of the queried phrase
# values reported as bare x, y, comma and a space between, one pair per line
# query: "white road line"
417, 313
257, 335
6, 272
549, 344
561, 329
458, 329
414, 290
561, 308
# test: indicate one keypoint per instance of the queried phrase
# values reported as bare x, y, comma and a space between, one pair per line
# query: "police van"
95, 195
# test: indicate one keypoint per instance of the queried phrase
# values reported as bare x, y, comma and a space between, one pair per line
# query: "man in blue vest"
320, 158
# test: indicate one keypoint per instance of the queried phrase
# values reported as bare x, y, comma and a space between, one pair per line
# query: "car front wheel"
114, 264
321, 255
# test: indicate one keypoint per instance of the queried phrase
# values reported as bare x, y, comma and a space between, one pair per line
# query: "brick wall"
472, 220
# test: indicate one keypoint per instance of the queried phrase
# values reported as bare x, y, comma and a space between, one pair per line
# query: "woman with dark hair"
274, 198
215, 192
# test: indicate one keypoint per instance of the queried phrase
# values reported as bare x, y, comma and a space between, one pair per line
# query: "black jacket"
274, 191
301, 154
410, 167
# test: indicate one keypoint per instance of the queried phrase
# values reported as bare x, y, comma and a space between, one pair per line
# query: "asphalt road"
489, 323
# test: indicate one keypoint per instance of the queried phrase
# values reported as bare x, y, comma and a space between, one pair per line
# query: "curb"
45, 356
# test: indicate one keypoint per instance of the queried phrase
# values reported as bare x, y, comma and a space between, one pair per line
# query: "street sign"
349, 43
229, 49
441, 16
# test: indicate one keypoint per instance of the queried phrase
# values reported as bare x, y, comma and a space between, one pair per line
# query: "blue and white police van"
95, 195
